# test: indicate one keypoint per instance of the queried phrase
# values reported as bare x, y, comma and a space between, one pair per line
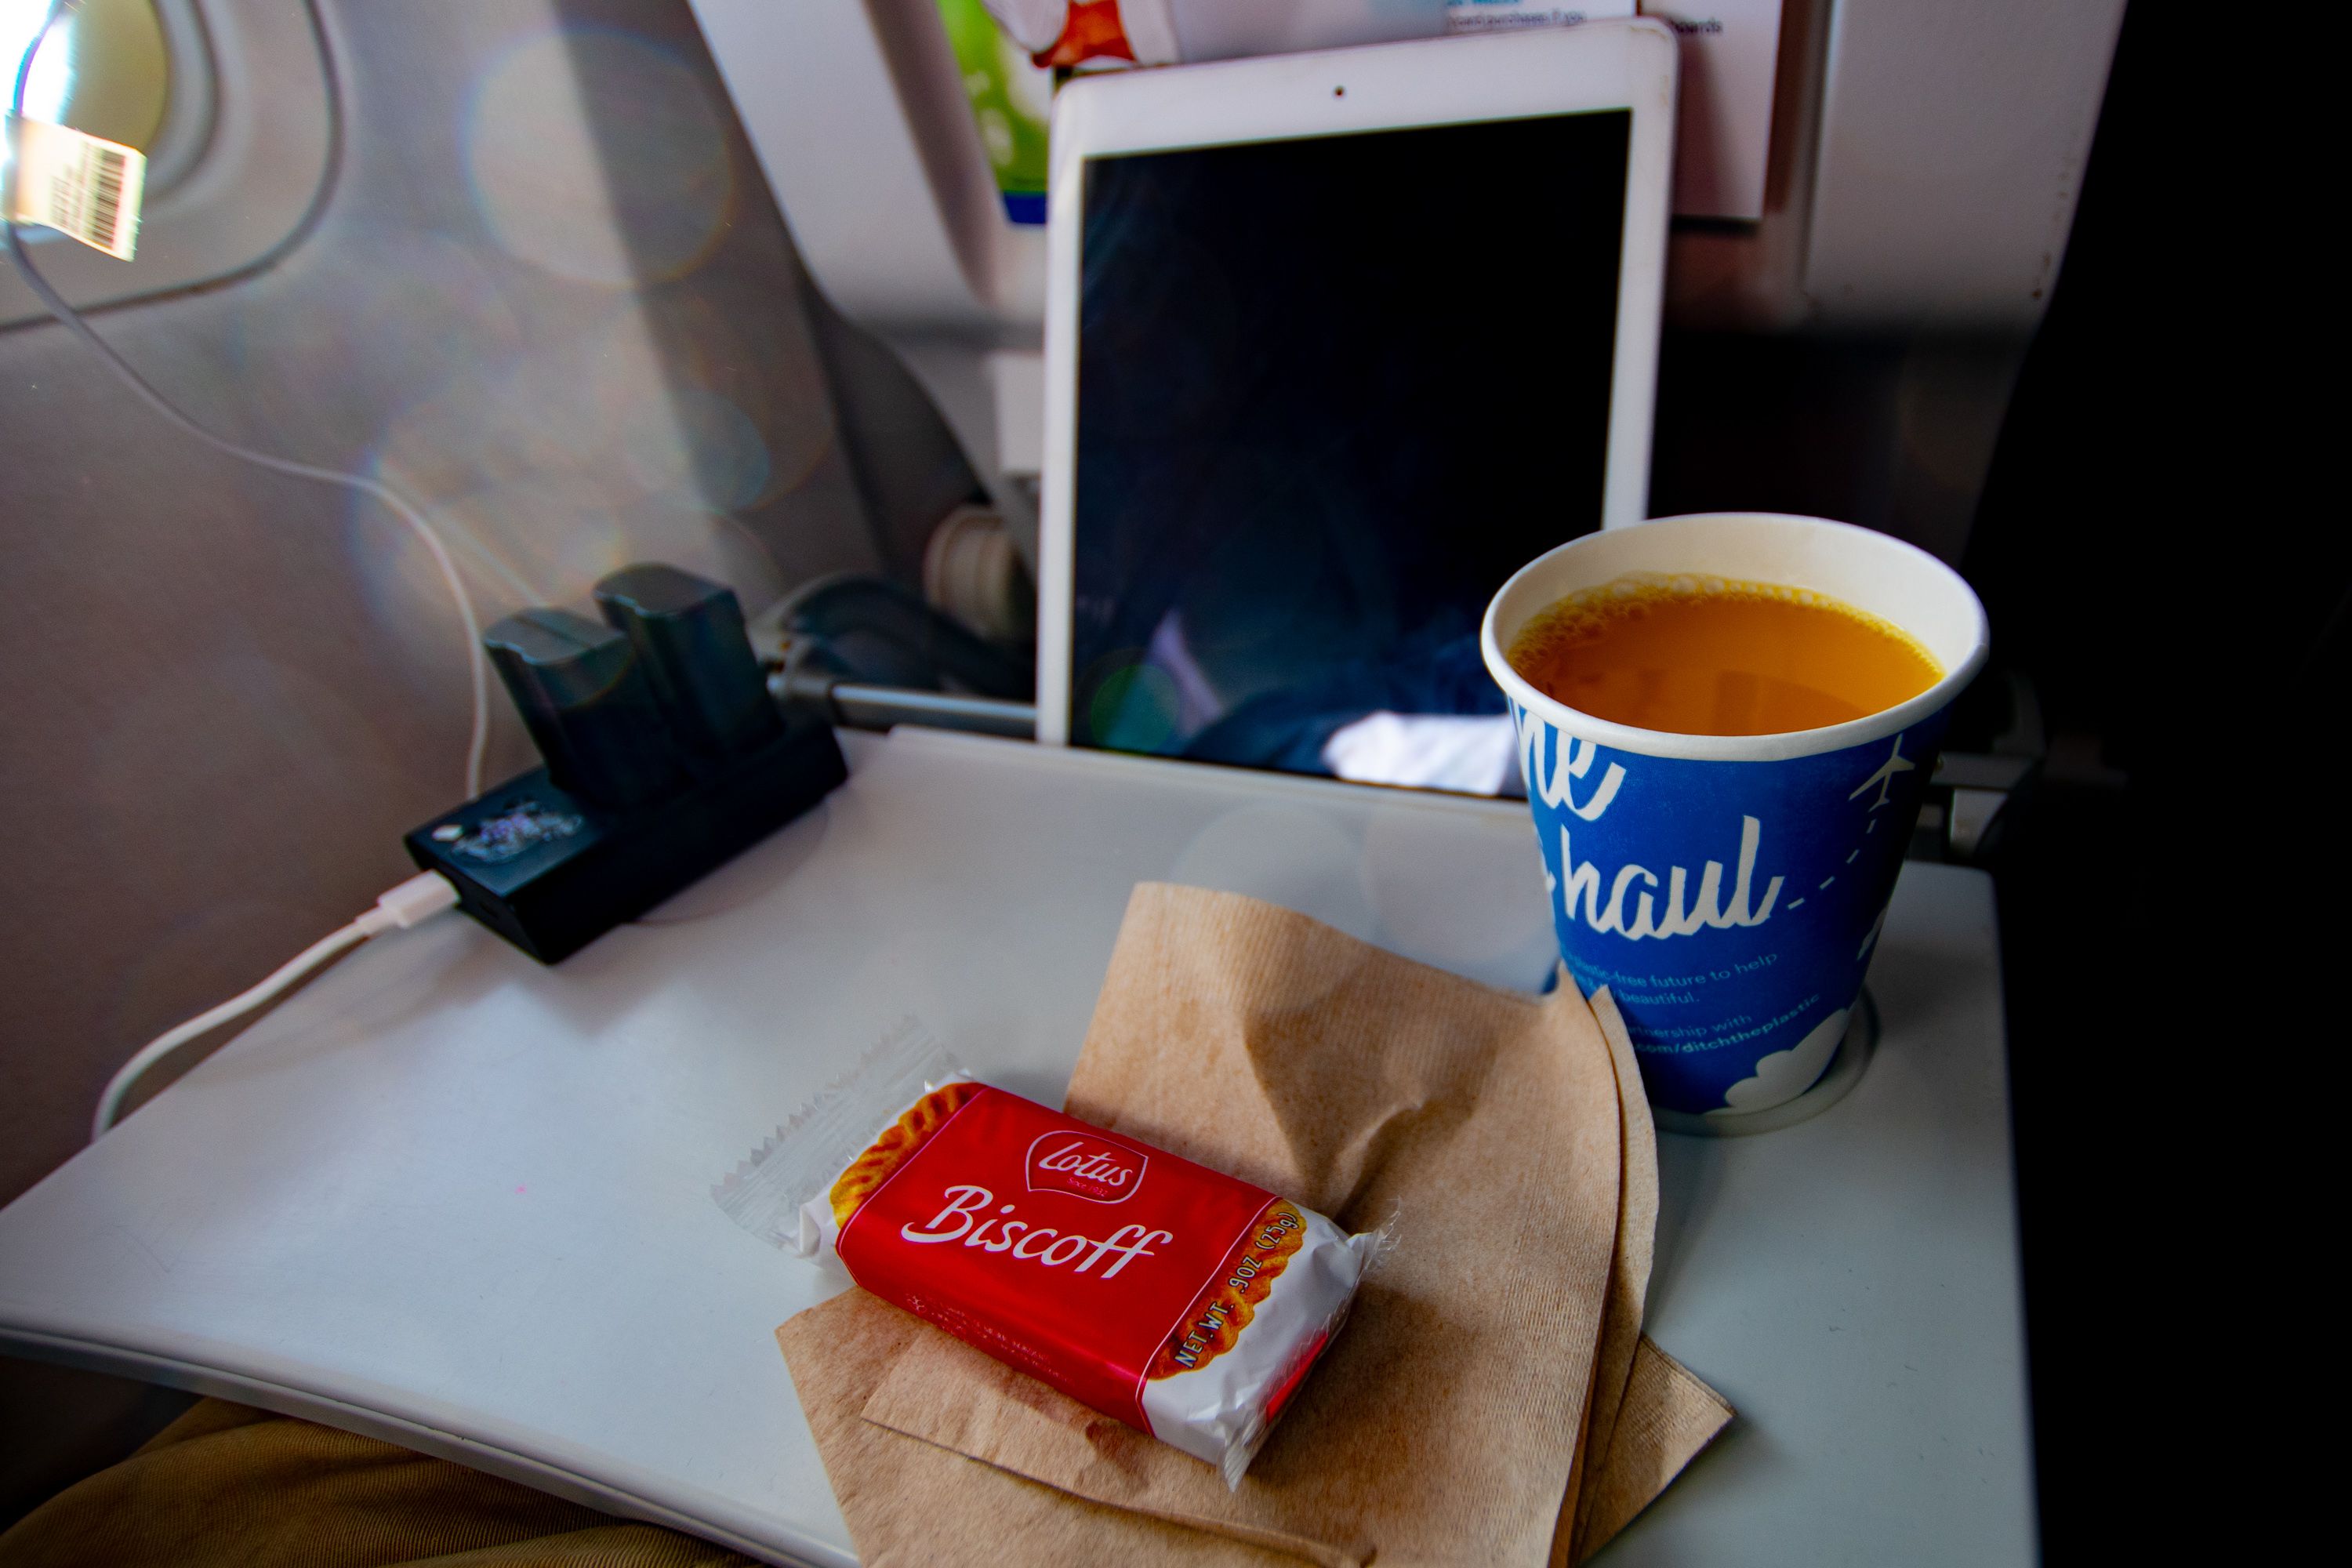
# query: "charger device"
665, 758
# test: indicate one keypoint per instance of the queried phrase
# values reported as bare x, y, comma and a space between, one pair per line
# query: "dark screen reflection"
1331, 392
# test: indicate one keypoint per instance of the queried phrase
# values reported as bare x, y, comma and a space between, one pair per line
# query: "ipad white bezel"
1597, 66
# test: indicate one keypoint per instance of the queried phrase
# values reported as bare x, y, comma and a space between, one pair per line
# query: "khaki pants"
225, 1484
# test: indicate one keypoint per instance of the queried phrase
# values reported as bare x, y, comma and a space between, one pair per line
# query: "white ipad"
1334, 344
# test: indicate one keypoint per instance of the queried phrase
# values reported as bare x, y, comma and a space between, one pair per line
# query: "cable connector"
419, 899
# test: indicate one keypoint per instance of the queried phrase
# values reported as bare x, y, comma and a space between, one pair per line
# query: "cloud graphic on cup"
1784, 1075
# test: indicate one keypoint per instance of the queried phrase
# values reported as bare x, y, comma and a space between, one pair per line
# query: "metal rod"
863, 707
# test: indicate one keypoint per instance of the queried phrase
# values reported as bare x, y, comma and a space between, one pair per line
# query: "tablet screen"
1332, 391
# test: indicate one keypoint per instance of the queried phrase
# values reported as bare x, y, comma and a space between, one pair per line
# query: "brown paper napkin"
907, 1502
1496, 1348
1667, 1417
1629, 1279
1650, 1416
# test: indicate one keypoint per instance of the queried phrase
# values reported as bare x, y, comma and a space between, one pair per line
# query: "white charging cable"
417, 900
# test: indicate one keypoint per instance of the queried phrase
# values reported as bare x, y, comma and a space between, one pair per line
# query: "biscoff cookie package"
1185, 1302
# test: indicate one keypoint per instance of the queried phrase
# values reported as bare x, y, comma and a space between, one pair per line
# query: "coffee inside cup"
1709, 655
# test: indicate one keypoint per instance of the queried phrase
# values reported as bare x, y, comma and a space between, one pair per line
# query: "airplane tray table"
459, 1201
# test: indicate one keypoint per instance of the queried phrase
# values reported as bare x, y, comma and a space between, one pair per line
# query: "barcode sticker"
80, 185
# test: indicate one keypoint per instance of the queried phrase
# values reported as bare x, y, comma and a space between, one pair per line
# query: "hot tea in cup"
1705, 656
1725, 724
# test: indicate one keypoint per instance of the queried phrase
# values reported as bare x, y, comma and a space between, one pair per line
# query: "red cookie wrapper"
1183, 1301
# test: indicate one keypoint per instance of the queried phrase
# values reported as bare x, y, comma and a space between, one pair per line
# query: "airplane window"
240, 93
106, 69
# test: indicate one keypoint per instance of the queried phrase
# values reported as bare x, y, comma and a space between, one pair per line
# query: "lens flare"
692, 445
316, 355
1287, 855
1134, 709
734, 335
597, 156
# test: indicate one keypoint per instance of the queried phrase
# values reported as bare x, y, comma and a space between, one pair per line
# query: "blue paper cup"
1729, 888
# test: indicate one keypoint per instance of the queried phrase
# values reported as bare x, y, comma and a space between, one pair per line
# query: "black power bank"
665, 758
551, 872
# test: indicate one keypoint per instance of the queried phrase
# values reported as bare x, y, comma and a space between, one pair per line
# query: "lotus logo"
1086, 1167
